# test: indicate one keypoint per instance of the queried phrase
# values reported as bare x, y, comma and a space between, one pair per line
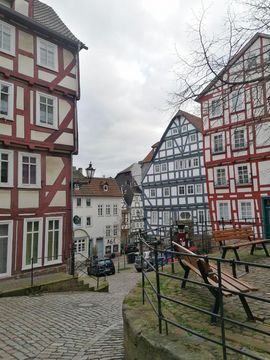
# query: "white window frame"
10, 114
240, 213
88, 202
201, 217
9, 247
175, 131
192, 138
219, 212
39, 253
42, 42
241, 146
183, 187
166, 218
108, 210
115, 230
115, 209
108, 231
248, 174
154, 217
163, 167
78, 200
12, 38
215, 111
179, 164
10, 161
80, 243
184, 128
60, 241
152, 193
225, 178
100, 210
55, 110
166, 191
156, 168
218, 150
38, 171
169, 144
190, 186
183, 215
198, 189
195, 162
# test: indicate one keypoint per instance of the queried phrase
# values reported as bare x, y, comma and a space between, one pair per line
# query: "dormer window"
76, 186
105, 187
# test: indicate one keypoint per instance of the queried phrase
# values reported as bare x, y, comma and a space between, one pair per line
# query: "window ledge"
222, 185
240, 148
244, 184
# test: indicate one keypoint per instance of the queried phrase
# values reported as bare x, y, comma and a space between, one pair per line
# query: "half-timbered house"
39, 83
174, 187
236, 127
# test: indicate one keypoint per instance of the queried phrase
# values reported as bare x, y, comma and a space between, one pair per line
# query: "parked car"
130, 248
101, 267
148, 260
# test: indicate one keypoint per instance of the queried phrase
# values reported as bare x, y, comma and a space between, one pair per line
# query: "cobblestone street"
78, 326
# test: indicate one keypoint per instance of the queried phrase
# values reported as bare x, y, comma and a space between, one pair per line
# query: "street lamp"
90, 171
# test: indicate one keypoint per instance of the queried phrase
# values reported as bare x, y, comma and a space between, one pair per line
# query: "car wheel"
139, 270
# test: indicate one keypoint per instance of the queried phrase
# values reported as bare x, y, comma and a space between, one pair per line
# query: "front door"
5, 248
100, 248
266, 217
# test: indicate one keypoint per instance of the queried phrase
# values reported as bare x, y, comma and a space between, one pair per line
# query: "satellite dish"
76, 220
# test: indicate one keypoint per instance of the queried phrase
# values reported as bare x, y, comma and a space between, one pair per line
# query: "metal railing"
155, 294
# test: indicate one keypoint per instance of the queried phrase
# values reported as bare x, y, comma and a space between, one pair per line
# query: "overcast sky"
128, 73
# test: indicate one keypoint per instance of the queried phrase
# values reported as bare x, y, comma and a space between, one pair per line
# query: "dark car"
101, 267
149, 259
131, 248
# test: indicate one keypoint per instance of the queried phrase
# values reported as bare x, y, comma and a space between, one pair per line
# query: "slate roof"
96, 188
46, 16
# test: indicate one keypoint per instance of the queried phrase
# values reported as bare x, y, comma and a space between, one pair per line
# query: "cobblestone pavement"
78, 326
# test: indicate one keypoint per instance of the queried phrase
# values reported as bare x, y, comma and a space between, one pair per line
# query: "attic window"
105, 187
76, 186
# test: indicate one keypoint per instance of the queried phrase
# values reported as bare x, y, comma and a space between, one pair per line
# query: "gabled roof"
231, 62
194, 120
149, 156
46, 16
96, 188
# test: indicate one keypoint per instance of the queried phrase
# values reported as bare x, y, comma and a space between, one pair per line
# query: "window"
5, 247
246, 211
79, 202
108, 210
215, 108
174, 131
252, 62
184, 128
198, 188
115, 230
179, 164
32, 243
156, 168
239, 139
6, 168
243, 176
181, 190
88, 202
166, 218
115, 248
201, 216
29, 170
105, 187
223, 211
169, 144
166, 191
237, 100
185, 215
47, 114
154, 217
100, 210
88, 221
6, 100
218, 143
221, 177
257, 95
7, 38
53, 245
192, 138
153, 193
195, 162
47, 54
108, 230
79, 245
163, 167
115, 209
189, 163
108, 249
190, 189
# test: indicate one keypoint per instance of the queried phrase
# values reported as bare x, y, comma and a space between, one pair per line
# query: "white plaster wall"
26, 41
20, 98
54, 166
38, 135
5, 196
20, 126
28, 199
5, 129
6, 63
46, 76
65, 139
59, 199
264, 172
26, 65
22, 7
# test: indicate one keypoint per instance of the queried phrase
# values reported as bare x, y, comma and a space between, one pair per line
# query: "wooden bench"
237, 238
209, 273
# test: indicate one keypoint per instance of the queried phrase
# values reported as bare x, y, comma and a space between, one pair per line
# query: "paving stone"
75, 325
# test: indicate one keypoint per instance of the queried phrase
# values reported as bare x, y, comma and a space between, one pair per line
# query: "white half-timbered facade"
236, 127
39, 85
174, 186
